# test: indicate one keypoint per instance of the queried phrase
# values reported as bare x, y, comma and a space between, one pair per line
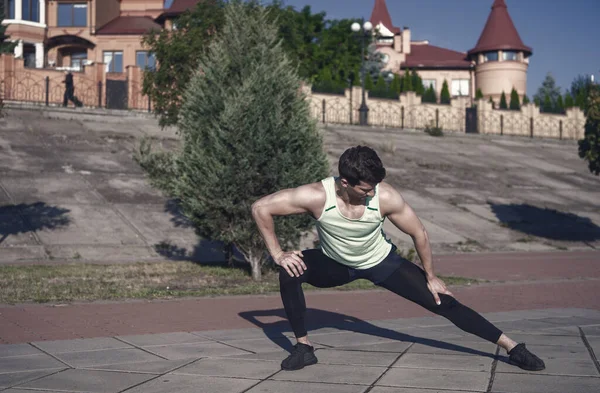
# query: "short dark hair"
361, 163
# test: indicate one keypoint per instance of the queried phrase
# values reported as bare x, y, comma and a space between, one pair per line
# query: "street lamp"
366, 30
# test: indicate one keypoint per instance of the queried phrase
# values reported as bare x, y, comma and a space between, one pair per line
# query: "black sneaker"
520, 356
302, 355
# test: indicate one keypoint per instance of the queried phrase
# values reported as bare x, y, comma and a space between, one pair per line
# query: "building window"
9, 6
78, 60
113, 61
491, 56
429, 82
145, 60
168, 4
30, 10
509, 56
29, 55
460, 87
72, 14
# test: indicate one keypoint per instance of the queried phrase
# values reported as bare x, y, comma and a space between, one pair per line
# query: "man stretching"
349, 211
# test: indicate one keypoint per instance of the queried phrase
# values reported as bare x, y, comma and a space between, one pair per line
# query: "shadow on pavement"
23, 218
546, 223
275, 331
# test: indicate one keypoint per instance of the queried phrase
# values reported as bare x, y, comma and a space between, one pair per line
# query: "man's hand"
292, 262
435, 286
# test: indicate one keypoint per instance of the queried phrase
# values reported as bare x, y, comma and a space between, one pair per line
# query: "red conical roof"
499, 32
381, 15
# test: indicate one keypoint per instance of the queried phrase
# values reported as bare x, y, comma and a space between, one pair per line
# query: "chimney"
406, 41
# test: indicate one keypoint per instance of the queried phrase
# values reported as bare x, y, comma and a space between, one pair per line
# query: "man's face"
361, 191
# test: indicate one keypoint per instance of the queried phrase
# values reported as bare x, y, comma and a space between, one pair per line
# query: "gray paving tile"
381, 389
29, 391
348, 339
396, 347
358, 375
80, 344
595, 344
18, 350
186, 351
526, 383
546, 339
554, 366
445, 362
276, 356
163, 339
526, 325
109, 356
28, 363
571, 321
233, 334
13, 379
239, 368
562, 352
436, 379
193, 384
563, 331
357, 358
593, 330
303, 387
261, 344
459, 348
88, 381
155, 367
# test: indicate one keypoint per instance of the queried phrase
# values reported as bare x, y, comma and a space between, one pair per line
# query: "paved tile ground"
377, 356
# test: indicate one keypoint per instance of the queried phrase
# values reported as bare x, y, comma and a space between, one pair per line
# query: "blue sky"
564, 35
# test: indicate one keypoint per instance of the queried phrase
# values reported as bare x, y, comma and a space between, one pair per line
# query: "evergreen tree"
547, 106
245, 132
417, 83
503, 104
369, 85
569, 103
525, 100
445, 94
580, 89
396, 85
407, 81
356, 77
5, 45
429, 95
560, 106
589, 146
515, 105
580, 100
538, 102
491, 101
550, 90
478, 94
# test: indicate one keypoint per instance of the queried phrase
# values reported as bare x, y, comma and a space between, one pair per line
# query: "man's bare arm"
404, 218
304, 199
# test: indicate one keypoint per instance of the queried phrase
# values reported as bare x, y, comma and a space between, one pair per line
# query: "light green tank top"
358, 243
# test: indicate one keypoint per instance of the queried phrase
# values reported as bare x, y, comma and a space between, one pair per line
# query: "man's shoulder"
312, 195
389, 197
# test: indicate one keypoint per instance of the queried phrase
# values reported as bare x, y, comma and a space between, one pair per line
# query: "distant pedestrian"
70, 91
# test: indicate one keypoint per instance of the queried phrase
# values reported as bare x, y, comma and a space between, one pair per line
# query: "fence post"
47, 91
531, 127
324, 108
402, 115
437, 118
560, 128
99, 94
501, 124
149, 104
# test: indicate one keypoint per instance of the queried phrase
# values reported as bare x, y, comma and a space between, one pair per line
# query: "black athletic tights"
393, 273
